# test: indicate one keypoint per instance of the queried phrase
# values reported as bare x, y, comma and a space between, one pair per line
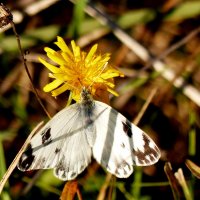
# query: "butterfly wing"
120, 144
61, 144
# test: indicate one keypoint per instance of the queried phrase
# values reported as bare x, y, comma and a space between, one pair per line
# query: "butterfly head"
86, 95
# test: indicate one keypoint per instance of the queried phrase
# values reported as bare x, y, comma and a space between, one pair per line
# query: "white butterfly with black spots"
68, 141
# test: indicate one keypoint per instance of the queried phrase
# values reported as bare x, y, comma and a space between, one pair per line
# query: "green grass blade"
78, 17
4, 195
192, 135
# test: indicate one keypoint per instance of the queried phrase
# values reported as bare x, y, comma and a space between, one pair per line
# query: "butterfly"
90, 128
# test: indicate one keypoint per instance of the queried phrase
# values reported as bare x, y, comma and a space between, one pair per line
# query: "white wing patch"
66, 143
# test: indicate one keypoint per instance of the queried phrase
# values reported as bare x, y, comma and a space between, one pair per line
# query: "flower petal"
49, 50
91, 53
51, 67
60, 90
62, 45
51, 86
67, 58
110, 74
112, 92
56, 57
76, 51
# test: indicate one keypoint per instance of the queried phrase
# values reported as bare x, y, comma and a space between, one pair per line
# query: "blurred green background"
167, 30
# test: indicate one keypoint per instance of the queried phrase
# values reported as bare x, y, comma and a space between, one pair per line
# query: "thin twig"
145, 106
102, 192
6, 18
26, 68
173, 47
31, 183
79, 194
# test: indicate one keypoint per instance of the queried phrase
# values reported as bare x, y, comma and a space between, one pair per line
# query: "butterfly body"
68, 141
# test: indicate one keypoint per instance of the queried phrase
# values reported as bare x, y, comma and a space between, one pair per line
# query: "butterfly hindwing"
61, 144
120, 144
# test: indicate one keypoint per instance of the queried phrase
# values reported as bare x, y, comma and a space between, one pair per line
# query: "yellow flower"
75, 69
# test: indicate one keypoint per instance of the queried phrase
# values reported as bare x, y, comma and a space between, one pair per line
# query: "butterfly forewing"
120, 144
